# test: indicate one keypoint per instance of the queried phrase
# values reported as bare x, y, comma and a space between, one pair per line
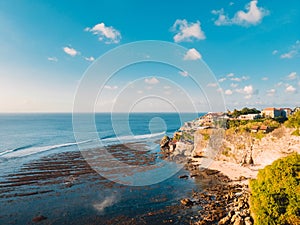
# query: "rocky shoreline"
223, 201
227, 161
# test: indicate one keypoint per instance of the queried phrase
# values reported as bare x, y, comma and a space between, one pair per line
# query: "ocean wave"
130, 138
29, 150
32, 149
16, 149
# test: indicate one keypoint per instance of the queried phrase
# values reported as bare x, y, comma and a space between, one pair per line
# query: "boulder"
186, 202
224, 220
164, 142
238, 220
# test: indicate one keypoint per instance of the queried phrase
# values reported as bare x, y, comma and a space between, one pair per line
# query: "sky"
252, 48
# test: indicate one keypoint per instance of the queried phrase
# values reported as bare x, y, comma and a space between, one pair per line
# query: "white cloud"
108, 87
252, 16
140, 92
70, 51
271, 92
289, 54
299, 83
219, 90
294, 51
187, 31
233, 85
292, 76
90, 59
274, 52
264, 78
167, 87
53, 59
107, 202
107, 34
228, 92
192, 54
152, 80
212, 85
290, 89
278, 84
240, 91
245, 78
230, 75
183, 73
248, 90
237, 79
222, 79
222, 18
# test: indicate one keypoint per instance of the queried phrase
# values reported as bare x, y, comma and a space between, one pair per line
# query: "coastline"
238, 159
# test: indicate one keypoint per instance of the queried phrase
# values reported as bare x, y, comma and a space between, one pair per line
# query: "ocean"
37, 157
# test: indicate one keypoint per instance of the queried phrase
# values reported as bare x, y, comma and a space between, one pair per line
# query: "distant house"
273, 112
249, 116
254, 129
264, 128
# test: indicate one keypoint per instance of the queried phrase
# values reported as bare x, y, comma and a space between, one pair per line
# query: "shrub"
293, 121
276, 193
296, 132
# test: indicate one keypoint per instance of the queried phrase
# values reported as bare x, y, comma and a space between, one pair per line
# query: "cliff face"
238, 148
204, 144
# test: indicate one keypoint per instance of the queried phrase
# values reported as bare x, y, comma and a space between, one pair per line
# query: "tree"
275, 193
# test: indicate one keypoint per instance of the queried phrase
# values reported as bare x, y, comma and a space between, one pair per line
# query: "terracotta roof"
269, 109
254, 128
263, 127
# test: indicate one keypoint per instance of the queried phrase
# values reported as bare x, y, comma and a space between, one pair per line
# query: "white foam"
131, 138
108, 141
34, 150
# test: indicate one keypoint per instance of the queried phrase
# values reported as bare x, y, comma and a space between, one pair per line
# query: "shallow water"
58, 183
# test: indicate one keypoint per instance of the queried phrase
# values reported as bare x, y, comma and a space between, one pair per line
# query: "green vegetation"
236, 113
259, 135
293, 121
276, 193
226, 151
177, 136
239, 126
187, 136
206, 137
296, 132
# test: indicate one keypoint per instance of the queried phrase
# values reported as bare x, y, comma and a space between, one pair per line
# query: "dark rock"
183, 176
250, 161
164, 142
237, 220
186, 202
38, 218
224, 220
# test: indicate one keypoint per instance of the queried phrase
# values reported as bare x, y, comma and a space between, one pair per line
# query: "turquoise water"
28, 138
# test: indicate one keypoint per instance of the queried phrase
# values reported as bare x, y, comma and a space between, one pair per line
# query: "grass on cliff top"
275, 193
294, 122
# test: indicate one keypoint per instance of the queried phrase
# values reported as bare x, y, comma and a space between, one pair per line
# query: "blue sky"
252, 47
